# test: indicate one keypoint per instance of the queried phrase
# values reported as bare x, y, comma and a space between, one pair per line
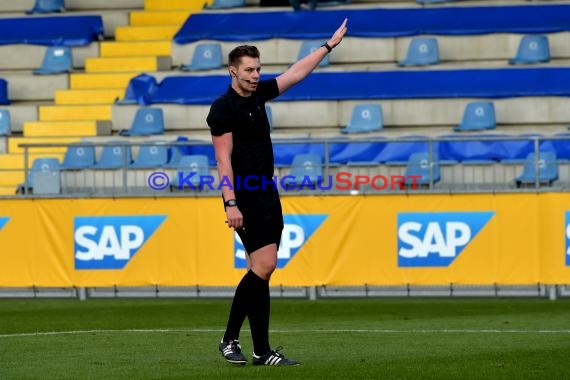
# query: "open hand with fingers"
338, 34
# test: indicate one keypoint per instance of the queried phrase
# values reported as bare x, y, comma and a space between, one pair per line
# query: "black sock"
258, 315
239, 309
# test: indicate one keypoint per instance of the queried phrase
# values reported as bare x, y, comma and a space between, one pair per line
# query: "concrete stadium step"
100, 80
146, 33
127, 64
66, 128
76, 97
14, 142
90, 5
155, 5
147, 18
75, 113
29, 57
136, 49
15, 161
24, 86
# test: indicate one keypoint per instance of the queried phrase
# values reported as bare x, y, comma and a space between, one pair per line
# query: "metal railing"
445, 174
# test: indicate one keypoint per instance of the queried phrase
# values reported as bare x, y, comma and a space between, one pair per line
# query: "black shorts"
262, 219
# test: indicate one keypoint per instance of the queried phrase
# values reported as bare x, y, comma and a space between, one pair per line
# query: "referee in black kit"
244, 154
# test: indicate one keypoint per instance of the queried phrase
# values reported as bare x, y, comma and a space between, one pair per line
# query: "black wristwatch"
230, 203
327, 46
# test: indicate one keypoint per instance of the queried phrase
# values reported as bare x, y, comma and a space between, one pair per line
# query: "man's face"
247, 74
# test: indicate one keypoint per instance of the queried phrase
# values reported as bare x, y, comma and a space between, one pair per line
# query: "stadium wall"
509, 239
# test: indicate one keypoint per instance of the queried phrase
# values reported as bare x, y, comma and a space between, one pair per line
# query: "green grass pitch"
334, 339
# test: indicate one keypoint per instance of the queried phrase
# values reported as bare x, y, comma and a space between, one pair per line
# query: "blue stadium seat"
365, 118
79, 157
5, 123
47, 6
419, 165
306, 169
269, 113
547, 169
205, 57
46, 180
44, 173
478, 116
147, 121
532, 49
178, 151
307, 47
151, 156
57, 60
194, 163
220, 4
422, 51
114, 156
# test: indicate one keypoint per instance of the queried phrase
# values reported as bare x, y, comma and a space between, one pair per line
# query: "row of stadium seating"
365, 118
422, 51
306, 172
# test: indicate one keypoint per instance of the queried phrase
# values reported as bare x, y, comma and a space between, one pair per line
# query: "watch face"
231, 202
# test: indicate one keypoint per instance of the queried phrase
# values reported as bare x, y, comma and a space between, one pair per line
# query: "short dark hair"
234, 58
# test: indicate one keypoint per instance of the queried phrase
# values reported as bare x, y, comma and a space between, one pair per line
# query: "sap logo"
567, 221
110, 242
3, 221
436, 239
297, 230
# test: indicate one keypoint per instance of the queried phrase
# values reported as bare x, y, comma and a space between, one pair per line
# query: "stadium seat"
43, 177
307, 47
178, 151
419, 165
220, 4
57, 60
195, 163
422, 51
205, 57
79, 157
139, 90
306, 171
114, 156
532, 49
5, 123
147, 121
151, 156
48, 179
478, 116
365, 118
547, 169
47, 6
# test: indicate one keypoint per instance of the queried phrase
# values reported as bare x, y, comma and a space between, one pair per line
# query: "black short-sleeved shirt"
252, 158
246, 119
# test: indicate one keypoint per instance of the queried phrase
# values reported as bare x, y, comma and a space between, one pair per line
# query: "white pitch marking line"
300, 331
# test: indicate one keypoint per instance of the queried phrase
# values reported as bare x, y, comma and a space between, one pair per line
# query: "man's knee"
264, 261
265, 267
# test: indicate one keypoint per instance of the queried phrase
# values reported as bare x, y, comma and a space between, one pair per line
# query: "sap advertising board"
110, 242
431, 239
424, 239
